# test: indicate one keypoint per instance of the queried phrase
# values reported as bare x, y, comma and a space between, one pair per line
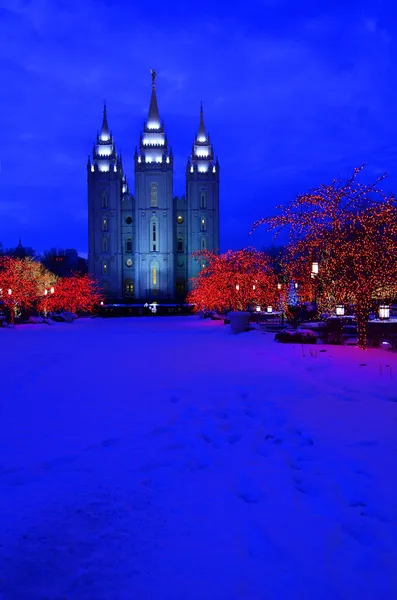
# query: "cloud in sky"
292, 94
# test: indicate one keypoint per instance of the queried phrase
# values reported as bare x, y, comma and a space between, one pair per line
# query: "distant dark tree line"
63, 263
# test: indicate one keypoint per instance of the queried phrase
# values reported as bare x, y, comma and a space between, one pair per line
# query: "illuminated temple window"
129, 287
191, 169
104, 224
154, 269
202, 223
153, 195
154, 235
105, 267
180, 219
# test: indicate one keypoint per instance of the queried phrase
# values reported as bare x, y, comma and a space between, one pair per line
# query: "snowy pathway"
167, 459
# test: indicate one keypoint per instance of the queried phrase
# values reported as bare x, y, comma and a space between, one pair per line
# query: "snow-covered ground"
167, 459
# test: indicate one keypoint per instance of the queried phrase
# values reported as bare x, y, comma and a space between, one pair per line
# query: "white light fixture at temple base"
101, 303
258, 309
384, 311
340, 310
269, 309
45, 292
52, 290
279, 286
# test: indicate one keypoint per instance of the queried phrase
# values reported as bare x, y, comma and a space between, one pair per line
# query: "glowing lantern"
340, 310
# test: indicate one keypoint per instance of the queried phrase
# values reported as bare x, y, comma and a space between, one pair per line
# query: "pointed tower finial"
105, 134
153, 121
202, 137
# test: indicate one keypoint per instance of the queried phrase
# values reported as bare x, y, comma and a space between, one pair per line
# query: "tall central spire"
105, 134
153, 117
202, 136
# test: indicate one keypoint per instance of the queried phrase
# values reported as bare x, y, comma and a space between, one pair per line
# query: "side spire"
153, 117
105, 133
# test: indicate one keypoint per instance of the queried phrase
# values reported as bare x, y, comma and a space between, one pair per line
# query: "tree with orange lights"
349, 230
235, 280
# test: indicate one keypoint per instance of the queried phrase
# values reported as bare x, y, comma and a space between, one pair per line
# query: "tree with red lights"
23, 283
79, 293
349, 229
235, 280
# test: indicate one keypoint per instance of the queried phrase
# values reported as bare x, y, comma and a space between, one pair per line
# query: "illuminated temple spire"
202, 157
105, 133
153, 146
202, 136
153, 117
104, 156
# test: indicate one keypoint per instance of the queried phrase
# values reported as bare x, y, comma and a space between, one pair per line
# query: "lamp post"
340, 310
384, 311
314, 273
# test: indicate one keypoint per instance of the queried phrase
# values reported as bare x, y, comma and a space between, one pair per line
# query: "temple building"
140, 242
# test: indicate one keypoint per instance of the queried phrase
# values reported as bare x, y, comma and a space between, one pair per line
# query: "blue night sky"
294, 94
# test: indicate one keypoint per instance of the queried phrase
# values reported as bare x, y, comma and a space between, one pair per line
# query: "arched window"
154, 275
105, 286
153, 194
128, 245
105, 267
129, 287
202, 224
105, 244
104, 199
154, 235
203, 200
104, 224
203, 243
179, 244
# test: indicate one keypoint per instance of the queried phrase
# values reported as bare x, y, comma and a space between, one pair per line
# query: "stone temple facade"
140, 243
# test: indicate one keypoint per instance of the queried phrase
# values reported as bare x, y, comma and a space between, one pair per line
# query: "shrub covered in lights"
235, 280
349, 229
